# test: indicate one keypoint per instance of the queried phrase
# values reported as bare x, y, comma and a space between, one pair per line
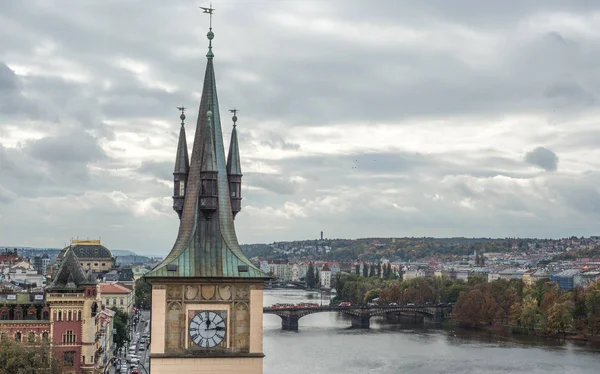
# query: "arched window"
31, 337
69, 337
18, 313
60, 315
45, 315
69, 316
45, 337
94, 309
4, 314
32, 313
79, 315
18, 337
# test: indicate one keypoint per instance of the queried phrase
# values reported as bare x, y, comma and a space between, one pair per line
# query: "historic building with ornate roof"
206, 295
92, 255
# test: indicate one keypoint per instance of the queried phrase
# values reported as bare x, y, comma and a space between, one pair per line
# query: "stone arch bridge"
360, 315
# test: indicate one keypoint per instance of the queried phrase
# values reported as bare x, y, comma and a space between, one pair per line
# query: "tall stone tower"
206, 295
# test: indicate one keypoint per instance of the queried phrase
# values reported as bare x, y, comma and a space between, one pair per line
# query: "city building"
115, 295
104, 337
207, 297
92, 255
72, 300
24, 317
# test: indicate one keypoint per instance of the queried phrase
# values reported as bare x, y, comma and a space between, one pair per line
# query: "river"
325, 343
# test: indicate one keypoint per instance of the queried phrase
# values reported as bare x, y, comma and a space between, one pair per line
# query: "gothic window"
4, 314
45, 315
69, 337
79, 315
69, 315
181, 188
32, 313
94, 309
18, 313
18, 337
233, 189
69, 358
31, 337
45, 337
60, 315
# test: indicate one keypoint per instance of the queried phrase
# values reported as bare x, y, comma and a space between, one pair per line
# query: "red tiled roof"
113, 288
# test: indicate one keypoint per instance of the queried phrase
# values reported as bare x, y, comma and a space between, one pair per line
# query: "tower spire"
234, 168
182, 167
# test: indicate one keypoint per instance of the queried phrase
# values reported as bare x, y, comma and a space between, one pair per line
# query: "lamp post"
110, 362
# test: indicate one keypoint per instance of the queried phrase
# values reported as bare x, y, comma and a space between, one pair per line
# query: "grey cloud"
542, 157
274, 183
276, 141
570, 92
161, 170
76, 147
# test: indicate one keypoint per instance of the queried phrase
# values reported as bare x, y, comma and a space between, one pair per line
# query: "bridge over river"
360, 315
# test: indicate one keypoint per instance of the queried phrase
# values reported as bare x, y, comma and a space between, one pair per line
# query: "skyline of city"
451, 126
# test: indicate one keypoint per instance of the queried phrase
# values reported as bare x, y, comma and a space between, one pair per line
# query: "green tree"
529, 313
371, 294
559, 317
142, 293
120, 321
310, 276
365, 270
34, 358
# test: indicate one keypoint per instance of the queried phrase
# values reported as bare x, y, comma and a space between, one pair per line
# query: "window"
18, 313
121, 301
83, 360
95, 264
45, 337
31, 337
89, 264
103, 264
79, 315
60, 315
69, 358
181, 188
45, 315
69, 316
4, 315
3, 337
18, 337
114, 301
69, 337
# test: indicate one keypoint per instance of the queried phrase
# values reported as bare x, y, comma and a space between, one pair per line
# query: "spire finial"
234, 118
210, 34
182, 116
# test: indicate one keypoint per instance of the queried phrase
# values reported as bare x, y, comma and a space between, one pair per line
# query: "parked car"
410, 304
393, 304
345, 303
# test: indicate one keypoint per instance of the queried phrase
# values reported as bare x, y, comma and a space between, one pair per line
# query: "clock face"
207, 329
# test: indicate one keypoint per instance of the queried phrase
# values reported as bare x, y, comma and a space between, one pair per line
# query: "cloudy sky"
396, 118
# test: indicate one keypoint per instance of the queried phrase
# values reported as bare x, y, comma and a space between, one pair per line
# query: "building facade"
92, 255
206, 295
115, 295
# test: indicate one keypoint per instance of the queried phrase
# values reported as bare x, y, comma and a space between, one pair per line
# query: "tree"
365, 270
142, 293
559, 317
372, 271
120, 321
529, 313
310, 276
475, 307
34, 358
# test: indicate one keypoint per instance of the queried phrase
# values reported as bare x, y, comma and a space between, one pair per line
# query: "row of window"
95, 264
69, 337
68, 315
18, 315
31, 337
114, 301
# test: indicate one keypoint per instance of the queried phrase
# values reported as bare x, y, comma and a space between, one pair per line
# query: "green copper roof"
207, 247
234, 166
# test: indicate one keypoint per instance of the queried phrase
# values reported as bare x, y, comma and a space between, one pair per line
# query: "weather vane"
234, 111
210, 11
182, 116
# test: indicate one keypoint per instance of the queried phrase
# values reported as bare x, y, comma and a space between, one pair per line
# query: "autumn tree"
36, 358
475, 307
529, 313
559, 317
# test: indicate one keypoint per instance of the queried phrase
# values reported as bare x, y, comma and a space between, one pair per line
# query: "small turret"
208, 172
234, 169
182, 168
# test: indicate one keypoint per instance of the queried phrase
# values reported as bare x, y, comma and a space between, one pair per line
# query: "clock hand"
219, 328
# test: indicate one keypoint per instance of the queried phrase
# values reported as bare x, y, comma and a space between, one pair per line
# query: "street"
136, 334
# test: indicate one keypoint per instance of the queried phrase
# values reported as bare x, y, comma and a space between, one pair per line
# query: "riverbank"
517, 330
